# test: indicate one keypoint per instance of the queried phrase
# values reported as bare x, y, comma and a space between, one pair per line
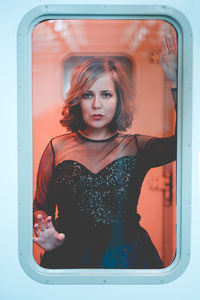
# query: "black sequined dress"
96, 185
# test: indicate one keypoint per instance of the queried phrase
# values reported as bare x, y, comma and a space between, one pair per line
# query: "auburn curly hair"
83, 77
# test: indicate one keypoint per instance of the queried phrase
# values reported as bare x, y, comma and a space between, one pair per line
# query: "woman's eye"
87, 96
107, 95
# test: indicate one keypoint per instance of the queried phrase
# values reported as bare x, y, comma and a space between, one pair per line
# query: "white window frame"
184, 142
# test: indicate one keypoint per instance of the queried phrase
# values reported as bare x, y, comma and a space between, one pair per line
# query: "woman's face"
99, 102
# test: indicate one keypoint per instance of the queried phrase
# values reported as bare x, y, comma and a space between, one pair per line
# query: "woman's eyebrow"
89, 91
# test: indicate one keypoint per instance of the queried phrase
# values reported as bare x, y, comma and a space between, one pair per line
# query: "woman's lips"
97, 116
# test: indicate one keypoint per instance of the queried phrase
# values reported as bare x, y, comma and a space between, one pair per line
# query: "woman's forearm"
174, 95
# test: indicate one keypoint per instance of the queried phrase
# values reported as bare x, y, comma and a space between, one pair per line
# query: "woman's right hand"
47, 237
168, 59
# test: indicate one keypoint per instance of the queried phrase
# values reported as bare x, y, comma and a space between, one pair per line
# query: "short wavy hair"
83, 77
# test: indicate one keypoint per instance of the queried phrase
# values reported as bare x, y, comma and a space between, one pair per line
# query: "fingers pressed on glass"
170, 44
37, 230
48, 222
164, 46
41, 222
60, 236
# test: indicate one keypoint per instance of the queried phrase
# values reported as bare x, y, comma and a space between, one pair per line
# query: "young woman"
94, 174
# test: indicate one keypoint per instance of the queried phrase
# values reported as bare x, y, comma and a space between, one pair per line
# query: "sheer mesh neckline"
97, 141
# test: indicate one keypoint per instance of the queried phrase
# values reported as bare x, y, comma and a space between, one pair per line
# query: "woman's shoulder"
138, 136
126, 135
63, 136
58, 140
140, 139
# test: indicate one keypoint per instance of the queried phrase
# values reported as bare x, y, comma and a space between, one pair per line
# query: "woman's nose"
97, 102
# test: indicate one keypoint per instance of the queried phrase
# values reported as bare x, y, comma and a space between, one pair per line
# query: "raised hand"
47, 237
168, 59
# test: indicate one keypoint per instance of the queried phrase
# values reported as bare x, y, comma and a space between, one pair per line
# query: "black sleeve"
44, 176
156, 151
159, 151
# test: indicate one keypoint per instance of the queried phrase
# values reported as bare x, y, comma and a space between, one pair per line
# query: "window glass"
113, 196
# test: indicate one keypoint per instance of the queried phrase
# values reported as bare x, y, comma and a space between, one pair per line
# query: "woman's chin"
97, 125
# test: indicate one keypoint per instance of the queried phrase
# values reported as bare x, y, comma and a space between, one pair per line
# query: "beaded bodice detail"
100, 198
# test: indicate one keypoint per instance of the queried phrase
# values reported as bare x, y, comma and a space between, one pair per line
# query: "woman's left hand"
168, 59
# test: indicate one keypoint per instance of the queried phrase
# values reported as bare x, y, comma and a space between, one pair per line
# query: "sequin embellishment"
100, 197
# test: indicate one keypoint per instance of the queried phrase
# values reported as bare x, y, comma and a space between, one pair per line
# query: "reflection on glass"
117, 121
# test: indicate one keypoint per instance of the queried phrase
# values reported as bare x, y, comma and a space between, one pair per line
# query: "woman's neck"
97, 133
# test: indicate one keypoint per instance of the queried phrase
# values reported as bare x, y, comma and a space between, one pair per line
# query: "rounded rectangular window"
103, 145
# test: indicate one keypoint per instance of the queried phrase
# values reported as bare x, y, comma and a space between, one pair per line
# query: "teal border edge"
184, 148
